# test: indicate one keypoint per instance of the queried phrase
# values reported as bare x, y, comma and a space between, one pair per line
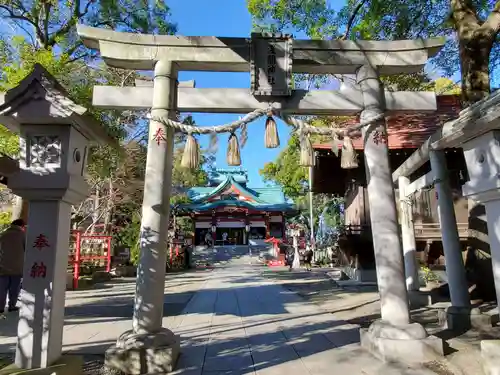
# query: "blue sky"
225, 18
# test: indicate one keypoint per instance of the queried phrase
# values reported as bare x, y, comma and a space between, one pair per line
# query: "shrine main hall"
235, 213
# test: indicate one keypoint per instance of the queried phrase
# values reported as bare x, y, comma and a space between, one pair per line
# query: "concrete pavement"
241, 323
94, 318
231, 321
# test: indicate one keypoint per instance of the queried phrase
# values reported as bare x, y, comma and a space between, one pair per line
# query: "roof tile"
411, 130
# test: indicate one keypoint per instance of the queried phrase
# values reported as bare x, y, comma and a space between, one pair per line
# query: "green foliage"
446, 86
78, 78
48, 24
128, 236
429, 276
326, 204
5, 220
470, 27
185, 178
330, 208
44, 32
9, 142
286, 170
311, 16
13, 71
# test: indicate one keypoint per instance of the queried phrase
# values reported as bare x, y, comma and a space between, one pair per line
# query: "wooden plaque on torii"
271, 59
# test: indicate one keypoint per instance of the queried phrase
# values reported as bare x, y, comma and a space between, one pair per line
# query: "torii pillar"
149, 348
408, 239
393, 337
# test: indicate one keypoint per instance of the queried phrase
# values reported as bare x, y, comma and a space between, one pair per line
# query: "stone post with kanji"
150, 348
55, 138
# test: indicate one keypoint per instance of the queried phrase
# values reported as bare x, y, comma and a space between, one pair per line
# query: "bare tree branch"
23, 17
350, 22
492, 23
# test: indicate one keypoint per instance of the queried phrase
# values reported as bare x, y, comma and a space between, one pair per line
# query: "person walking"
12, 246
290, 255
308, 256
208, 239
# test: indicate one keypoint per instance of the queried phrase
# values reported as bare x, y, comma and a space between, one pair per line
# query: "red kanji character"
41, 242
159, 136
34, 270
42, 270
379, 137
38, 270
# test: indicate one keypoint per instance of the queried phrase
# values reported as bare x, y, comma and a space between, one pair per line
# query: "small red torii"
276, 242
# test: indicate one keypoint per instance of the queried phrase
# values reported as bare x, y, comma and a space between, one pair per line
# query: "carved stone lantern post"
55, 137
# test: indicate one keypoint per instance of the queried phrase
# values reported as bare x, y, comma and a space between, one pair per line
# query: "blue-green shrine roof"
229, 189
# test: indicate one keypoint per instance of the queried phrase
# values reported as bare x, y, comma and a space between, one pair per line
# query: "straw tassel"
191, 155
271, 139
213, 145
349, 158
306, 151
233, 151
335, 144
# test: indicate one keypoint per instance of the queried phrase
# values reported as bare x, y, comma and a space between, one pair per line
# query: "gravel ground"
93, 364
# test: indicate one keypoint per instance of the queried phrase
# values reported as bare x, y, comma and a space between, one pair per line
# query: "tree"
45, 32
51, 25
446, 86
313, 17
79, 78
286, 170
470, 26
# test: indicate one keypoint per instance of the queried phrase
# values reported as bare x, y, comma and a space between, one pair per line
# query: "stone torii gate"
271, 59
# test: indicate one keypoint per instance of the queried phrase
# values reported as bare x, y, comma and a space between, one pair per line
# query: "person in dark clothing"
208, 240
12, 245
290, 255
308, 258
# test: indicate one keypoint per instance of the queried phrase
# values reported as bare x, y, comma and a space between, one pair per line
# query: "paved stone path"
231, 321
241, 323
358, 304
94, 318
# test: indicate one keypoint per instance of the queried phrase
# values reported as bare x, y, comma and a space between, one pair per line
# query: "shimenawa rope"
271, 139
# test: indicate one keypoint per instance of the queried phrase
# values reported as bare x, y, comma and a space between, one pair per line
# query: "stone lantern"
55, 137
482, 155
